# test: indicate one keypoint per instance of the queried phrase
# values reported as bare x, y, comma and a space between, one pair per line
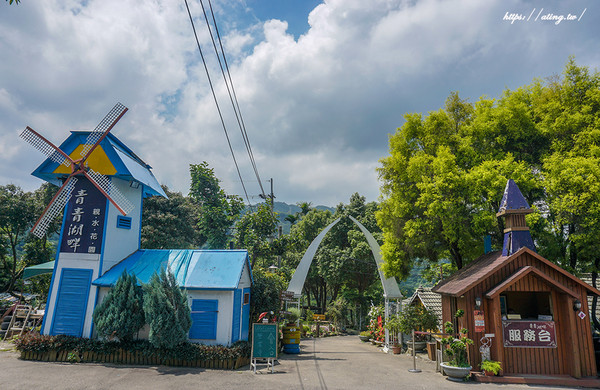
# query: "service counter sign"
523, 333
84, 220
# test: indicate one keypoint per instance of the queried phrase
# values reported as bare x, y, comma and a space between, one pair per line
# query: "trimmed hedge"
70, 348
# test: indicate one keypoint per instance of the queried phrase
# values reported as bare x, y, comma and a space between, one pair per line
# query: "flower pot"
397, 349
456, 374
419, 345
364, 338
488, 373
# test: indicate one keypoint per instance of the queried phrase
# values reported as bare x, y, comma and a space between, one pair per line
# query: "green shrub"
121, 314
491, 366
167, 311
456, 348
266, 289
417, 318
293, 316
185, 351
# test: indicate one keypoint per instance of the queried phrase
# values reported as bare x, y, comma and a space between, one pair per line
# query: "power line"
216, 102
232, 94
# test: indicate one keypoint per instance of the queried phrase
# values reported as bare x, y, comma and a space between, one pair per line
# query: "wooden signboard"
286, 296
479, 321
538, 334
319, 317
264, 344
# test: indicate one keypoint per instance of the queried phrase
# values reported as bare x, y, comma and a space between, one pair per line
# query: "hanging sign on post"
479, 321
286, 296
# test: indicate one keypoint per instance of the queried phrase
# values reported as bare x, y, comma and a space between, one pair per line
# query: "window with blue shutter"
204, 319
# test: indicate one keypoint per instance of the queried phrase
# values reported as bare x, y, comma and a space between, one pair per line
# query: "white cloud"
318, 109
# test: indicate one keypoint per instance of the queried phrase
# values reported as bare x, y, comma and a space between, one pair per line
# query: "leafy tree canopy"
446, 172
169, 222
216, 211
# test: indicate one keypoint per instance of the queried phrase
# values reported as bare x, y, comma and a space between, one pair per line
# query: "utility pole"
270, 196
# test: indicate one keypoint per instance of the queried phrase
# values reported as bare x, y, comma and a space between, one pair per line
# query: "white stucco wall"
120, 243
224, 317
245, 280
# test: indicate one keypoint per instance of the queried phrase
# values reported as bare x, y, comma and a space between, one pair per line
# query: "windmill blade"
103, 128
56, 205
109, 190
46, 147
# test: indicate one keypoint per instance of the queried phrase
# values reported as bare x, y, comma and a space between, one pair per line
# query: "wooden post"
498, 343
572, 339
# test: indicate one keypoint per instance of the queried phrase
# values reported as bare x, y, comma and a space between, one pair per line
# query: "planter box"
431, 351
137, 358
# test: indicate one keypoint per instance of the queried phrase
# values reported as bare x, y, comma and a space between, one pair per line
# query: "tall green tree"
166, 310
445, 174
255, 232
169, 222
266, 289
121, 312
17, 215
215, 210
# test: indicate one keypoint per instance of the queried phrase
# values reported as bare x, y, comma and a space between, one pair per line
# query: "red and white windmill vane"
79, 167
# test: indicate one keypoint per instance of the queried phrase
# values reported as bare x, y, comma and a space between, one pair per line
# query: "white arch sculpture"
390, 286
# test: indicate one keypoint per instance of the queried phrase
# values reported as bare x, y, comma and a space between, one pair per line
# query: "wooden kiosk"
534, 313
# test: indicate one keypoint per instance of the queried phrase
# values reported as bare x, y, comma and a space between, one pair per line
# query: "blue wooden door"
246, 314
204, 319
237, 313
71, 302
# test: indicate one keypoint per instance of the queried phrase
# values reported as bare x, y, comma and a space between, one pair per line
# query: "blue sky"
295, 12
321, 85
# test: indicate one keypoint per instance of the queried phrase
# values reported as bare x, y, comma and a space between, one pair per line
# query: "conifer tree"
167, 311
121, 312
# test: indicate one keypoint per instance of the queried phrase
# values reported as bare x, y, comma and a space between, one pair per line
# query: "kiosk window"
526, 304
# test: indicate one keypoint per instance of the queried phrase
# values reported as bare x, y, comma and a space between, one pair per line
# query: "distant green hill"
283, 210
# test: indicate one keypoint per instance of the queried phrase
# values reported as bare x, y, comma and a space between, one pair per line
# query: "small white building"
217, 284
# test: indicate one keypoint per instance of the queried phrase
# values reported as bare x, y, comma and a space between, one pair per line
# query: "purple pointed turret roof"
512, 198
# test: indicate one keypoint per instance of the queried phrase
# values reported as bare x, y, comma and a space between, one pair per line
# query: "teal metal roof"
39, 269
192, 268
127, 164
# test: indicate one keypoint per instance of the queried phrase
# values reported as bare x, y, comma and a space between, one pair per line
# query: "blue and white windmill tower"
102, 185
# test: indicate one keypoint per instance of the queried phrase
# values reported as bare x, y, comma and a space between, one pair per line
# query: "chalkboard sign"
264, 341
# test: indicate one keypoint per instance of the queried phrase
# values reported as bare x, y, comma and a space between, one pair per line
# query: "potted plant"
458, 368
364, 335
393, 326
491, 367
292, 316
420, 319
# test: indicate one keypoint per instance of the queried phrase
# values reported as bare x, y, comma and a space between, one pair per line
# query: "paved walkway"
328, 363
